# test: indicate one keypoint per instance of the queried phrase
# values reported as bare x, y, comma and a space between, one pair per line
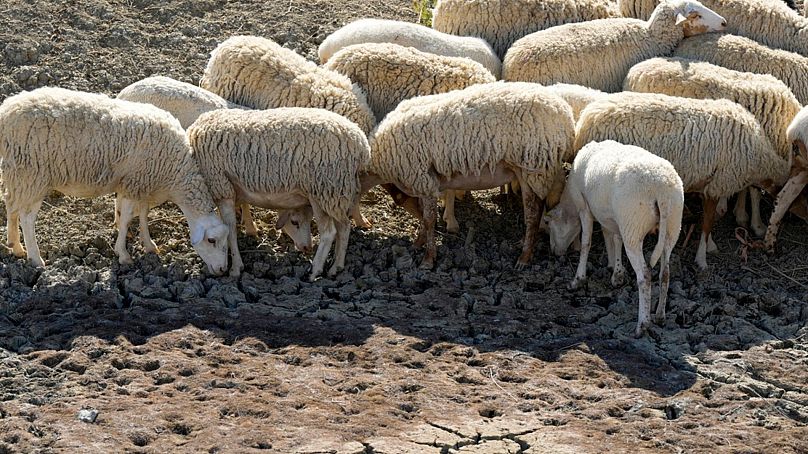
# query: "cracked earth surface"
472, 357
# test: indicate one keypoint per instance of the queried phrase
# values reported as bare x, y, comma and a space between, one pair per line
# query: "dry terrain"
472, 357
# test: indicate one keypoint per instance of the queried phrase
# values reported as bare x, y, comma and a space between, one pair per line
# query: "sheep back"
717, 146
258, 73
471, 131
389, 73
577, 96
314, 151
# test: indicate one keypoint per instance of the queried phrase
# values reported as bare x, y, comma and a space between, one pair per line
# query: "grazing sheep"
770, 22
717, 147
258, 73
389, 73
798, 178
629, 191
476, 138
86, 145
502, 22
287, 158
598, 54
408, 34
768, 99
744, 54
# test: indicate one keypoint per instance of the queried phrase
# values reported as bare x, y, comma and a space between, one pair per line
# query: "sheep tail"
664, 211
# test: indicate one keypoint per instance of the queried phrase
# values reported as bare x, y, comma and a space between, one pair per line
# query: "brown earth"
472, 357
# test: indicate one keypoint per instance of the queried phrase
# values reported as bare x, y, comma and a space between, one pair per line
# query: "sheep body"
629, 191
476, 138
287, 158
258, 73
716, 146
389, 73
502, 22
744, 54
408, 34
573, 53
577, 96
87, 145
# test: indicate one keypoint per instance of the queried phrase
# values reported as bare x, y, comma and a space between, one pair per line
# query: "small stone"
88, 415
675, 409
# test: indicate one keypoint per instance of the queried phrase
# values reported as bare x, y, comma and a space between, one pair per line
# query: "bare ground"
472, 357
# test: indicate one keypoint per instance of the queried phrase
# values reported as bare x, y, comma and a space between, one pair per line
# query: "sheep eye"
212, 240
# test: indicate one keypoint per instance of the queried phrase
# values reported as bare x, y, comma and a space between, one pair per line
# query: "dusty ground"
472, 357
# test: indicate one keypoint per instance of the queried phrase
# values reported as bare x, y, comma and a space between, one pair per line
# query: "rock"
88, 415
675, 409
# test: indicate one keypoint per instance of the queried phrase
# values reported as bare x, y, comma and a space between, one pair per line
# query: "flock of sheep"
637, 104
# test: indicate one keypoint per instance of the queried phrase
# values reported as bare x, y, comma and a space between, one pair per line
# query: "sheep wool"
258, 73
292, 156
769, 100
181, 99
573, 53
390, 73
85, 145
743, 54
408, 34
770, 22
577, 96
502, 22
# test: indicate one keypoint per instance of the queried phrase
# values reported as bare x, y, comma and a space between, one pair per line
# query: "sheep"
408, 34
86, 145
258, 73
744, 54
773, 23
476, 138
768, 99
186, 102
642, 9
798, 135
716, 146
502, 22
389, 73
574, 53
577, 96
288, 158
629, 191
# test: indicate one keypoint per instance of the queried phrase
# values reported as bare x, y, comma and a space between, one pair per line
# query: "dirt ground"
472, 357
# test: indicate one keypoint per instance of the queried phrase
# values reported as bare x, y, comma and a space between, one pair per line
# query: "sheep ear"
197, 234
680, 18
283, 218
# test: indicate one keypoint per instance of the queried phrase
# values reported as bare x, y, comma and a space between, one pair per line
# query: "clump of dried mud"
385, 358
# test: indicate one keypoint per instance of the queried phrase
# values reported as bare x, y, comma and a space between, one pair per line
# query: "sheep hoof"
17, 250
659, 319
640, 330
235, 272
363, 223
427, 263
618, 279
333, 271
251, 231
152, 249
125, 260
577, 283
759, 230
453, 227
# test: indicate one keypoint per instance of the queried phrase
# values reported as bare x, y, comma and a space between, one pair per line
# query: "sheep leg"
247, 220
586, 243
785, 198
741, 215
722, 209
706, 228
533, 208
116, 213
126, 210
430, 214
341, 248
328, 231
227, 208
145, 235
28, 219
13, 231
359, 219
756, 223
607, 238
664, 282
634, 253
619, 273
448, 211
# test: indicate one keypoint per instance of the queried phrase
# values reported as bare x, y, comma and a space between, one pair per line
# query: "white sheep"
642, 9
86, 145
744, 54
630, 192
289, 158
598, 54
502, 22
389, 73
476, 138
258, 73
768, 99
577, 96
798, 178
717, 147
769, 22
408, 34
